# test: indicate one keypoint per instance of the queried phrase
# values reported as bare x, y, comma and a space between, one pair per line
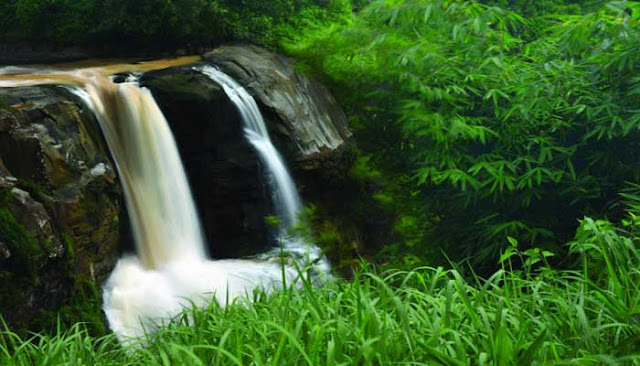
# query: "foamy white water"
138, 300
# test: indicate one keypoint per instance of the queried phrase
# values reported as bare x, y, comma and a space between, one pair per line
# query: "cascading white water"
286, 197
171, 269
164, 219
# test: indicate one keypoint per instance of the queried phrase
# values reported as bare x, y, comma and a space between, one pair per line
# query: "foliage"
531, 316
153, 24
537, 8
483, 124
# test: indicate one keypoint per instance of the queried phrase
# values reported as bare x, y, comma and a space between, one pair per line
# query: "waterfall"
286, 198
170, 270
163, 215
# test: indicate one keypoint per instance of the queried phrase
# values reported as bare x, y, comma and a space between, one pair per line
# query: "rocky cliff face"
225, 173
59, 204
310, 129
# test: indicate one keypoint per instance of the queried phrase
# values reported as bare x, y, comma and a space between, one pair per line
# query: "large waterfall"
171, 269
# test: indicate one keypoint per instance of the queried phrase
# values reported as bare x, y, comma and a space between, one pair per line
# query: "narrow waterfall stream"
286, 198
171, 269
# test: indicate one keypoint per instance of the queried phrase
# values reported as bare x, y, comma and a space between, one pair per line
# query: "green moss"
96, 202
10, 297
68, 246
37, 191
5, 196
49, 245
5, 106
362, 169
26, 254
21, 276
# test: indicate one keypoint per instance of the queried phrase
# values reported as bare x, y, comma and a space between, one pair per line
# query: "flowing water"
286, 195
286, 198
171, 269
163, 216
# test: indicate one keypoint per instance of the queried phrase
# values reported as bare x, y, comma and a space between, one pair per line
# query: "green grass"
534, 315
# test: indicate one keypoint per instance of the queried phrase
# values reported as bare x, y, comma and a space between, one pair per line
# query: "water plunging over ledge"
171, 268
286, 198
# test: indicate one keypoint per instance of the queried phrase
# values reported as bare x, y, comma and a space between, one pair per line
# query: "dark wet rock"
5, 253
33, 216
226, 176
60, 217
308, 126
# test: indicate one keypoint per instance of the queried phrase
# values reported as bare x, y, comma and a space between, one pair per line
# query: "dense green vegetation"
117, 25
532, 316
482, 124
500, 137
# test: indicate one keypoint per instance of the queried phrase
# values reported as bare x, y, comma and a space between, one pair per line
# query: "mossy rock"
5, 196
58, 233
26, 254
5, 106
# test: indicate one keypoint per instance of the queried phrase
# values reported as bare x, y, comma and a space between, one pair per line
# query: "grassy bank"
527, 315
